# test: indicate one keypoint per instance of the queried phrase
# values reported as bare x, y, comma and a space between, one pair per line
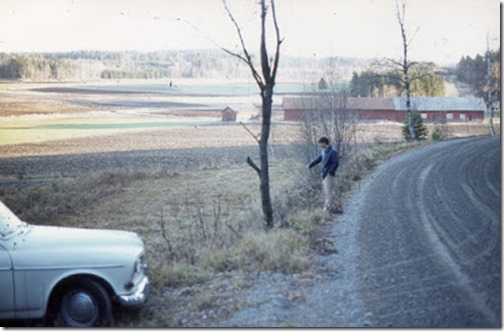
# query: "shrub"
307, 222
439, 133
278, 250
175, 274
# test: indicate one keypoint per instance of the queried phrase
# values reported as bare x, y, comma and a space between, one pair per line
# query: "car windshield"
9, 223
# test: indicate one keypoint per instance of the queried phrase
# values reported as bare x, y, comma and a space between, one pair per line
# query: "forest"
87, 65
425, 82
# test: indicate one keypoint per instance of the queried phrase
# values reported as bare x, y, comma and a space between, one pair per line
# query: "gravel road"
418, 246
429, 238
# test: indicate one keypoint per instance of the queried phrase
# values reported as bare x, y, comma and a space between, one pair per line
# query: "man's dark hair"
323, 140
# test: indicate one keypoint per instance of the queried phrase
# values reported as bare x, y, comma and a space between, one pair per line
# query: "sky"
443, 30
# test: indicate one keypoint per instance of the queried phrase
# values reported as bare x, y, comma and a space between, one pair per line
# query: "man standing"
330, 162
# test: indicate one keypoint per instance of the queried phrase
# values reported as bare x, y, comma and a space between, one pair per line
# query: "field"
179, 181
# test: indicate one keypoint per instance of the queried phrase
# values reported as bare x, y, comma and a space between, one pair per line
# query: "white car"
68, 276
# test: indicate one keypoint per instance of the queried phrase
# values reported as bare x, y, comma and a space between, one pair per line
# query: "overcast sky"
447, 29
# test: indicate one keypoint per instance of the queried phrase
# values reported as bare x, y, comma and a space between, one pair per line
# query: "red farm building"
229, 115
432, 109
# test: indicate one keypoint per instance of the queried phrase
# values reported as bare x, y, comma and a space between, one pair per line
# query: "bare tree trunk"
401, 15
489, 89
267, 100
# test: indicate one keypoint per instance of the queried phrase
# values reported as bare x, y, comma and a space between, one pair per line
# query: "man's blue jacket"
329, 159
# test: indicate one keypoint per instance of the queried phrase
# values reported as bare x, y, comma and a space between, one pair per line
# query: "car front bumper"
139, 296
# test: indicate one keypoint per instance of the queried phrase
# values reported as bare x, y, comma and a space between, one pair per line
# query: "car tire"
83, 303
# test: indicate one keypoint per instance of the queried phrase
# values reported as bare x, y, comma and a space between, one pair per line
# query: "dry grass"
278, 250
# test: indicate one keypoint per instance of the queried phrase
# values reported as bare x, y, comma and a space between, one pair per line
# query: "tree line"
84, 65
36, 67
371, 83
474, 73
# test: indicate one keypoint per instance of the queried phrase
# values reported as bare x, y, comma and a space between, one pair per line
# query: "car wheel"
84, 303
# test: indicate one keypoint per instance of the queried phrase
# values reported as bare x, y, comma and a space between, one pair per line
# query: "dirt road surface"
430, 238
418, 246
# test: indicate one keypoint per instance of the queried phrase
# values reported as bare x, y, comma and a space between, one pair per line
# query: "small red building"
229, 115
432, 109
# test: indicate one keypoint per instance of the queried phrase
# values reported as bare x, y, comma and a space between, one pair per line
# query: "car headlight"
139, 265
139, 268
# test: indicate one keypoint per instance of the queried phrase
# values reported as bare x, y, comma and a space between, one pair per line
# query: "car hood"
60, 247
40, 237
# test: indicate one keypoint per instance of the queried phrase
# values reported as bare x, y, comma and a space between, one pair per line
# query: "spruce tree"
419, 127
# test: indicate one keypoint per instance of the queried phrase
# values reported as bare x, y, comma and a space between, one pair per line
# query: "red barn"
229, 115
386, 109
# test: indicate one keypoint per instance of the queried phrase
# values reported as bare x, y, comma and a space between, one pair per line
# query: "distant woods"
86, 65
474, 73
35, 67
389, 84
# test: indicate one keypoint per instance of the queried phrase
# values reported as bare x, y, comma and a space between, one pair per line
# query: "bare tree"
266, 82
405, 65
330, 116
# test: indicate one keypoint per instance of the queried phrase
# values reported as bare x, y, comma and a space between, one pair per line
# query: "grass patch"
18, 130
173, 274
278, 250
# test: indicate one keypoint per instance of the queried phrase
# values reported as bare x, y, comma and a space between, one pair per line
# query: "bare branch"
398, 78
238, 234
247, 58
239, 56
255, 74
396, 63
278, 40
415, 77
253, 135
413, 35
400, 14
412, 63
254, 166
264, 50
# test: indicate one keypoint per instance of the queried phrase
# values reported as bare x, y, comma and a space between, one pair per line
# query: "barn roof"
324, 101
229, 109
441, 104
395, 103
370, 103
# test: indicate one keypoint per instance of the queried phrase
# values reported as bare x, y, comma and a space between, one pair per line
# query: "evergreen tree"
419, 127
473, 72
322, 85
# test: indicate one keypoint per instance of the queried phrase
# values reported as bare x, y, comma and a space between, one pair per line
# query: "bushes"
278, 250
171, 274
440, 132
